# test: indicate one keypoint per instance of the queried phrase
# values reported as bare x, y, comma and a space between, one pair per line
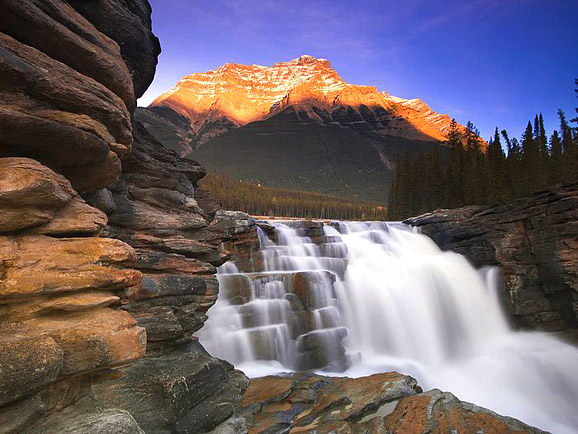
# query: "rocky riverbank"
377, 404
534, 240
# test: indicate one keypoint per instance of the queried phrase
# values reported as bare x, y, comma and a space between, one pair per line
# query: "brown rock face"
56, 292
177, 386
234, 95
436, 411
533, 240
30, 194
38, 265
66, 85
70, 71
381, 403
65, 123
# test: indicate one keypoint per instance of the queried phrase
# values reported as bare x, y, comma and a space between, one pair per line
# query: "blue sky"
494, 62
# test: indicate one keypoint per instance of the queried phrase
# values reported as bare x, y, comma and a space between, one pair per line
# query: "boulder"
184, 391
436, 411
87, 416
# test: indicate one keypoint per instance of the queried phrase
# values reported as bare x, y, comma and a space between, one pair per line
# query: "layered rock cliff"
65, 124
177, 386
77, 302
535, 242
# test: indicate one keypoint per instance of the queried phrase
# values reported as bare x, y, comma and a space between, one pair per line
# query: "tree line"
470, 171
255, 199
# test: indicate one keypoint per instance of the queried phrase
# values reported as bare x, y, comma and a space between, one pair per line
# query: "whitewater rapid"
403, 305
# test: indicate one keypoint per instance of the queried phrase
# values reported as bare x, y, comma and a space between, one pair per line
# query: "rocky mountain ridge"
332, 136
234, 95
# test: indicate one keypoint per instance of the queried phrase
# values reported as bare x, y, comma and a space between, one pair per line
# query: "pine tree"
543, 138
569, 152
497, 170
536, 128
454, 167
575, 120
514, 166
530, 161
474, 174
556, 167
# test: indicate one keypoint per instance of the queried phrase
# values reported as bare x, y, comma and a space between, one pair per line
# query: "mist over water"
381, 297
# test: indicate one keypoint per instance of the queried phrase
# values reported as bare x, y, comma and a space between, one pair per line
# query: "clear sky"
494, 62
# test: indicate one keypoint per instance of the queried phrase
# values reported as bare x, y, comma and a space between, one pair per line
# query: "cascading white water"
395, 302
285, 314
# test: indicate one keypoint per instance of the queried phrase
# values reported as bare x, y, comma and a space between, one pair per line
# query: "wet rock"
436, 411
185, 390
304, 402
381, 403
236, 289
304, 284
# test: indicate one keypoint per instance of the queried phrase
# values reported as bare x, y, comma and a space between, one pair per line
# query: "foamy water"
405, 306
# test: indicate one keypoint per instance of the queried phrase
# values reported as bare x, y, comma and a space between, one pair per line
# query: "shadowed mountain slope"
296, 124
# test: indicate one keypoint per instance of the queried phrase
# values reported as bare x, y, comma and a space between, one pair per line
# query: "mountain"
296, 124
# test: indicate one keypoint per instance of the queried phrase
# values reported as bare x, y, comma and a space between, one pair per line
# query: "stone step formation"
270, 309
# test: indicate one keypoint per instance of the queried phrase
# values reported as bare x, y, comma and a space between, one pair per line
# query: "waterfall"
359, 298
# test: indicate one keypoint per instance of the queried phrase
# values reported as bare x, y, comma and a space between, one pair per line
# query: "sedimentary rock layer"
58, 284
65, 123
177, 386
65, 84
